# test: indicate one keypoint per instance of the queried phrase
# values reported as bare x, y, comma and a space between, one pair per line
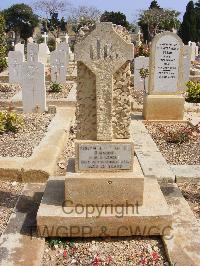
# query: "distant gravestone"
140, 62
15, 59
32, 52
193, 54
166, 64
58, 64
187, 51
43, 53
33, 87
20, 47
30, 40
63, 47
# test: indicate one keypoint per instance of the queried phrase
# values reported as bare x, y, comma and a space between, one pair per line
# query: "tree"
154, 4
197, 9
3, 50
117, 18
188, 29
155, 20
21, 19
84, 16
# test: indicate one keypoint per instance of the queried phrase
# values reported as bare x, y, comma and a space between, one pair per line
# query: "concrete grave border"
41, 164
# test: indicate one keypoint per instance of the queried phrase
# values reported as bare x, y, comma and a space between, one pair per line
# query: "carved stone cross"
104, 51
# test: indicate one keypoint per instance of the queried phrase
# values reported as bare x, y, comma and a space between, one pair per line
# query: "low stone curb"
19, 244
186, 173
182, 247
42, 163
150, 158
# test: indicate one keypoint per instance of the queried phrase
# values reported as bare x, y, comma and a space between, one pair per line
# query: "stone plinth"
100, 189
152, 218
163, 107
104, 156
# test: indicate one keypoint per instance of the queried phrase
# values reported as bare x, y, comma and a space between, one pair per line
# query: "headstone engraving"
32, 52
33, 87
104, 52
166, 64
105, 157
58, 64
15, 59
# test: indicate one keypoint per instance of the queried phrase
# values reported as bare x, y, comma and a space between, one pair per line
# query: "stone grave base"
163, 107
55, 220
99, 189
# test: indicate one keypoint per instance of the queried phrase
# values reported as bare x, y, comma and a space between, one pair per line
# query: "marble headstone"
15, 59
193, 54
166, 64
58, 64
140, 62
43, 53
33, 87
32, 52
187, 51
20, 47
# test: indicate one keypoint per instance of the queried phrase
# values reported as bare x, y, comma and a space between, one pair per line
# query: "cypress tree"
3, 45
154, 4
188, 29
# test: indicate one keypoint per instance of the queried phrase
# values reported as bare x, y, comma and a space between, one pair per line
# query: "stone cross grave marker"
45, 36
32, 52
33, 87
15, 59
58, 64
166, 64
103, 51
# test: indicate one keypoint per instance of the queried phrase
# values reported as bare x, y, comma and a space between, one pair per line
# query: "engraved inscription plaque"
105, 156
167, 64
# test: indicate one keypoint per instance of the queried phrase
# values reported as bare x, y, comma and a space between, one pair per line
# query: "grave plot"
179, 143
9, 194
58, 91
31, 129
105, 251
7, 91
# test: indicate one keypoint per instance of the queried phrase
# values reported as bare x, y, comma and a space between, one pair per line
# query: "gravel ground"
137, 95
8, 90
187, 152
59, 95
109, 251
191, 192
9, 193
22, 143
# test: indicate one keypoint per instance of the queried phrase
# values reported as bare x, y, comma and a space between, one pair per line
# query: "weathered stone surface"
186, 173
163, 107
152, 218
33, 87
43, 53
96, 156
58, 63
99, 189
187, 50
193, 54
32, 52
19, 47
101, 54
19, 244
140, 62
182, 247
15, 59
166, 64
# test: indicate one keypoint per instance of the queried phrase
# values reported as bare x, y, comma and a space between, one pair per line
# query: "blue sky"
129, 7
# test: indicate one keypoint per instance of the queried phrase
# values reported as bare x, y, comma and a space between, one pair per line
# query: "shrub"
193, 92
51, 44
3, 45
142, 50
10, 122
55, 87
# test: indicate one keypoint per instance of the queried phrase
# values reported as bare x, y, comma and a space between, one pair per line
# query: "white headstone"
30, 40
43, 53
187, 51
193, 54
20, 47
63, 47
32, 52
166, 64
15, 59
58, 63
140, 62
33, 87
